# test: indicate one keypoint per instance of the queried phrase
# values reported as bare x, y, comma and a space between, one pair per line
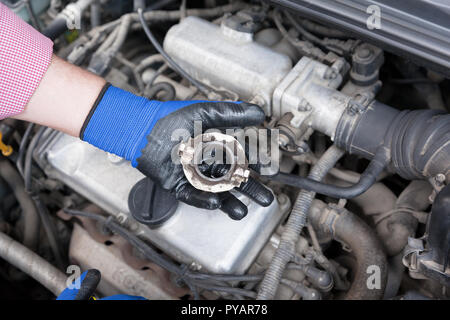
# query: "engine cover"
201, 238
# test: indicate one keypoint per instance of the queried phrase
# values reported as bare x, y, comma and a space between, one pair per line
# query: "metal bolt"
440, 178
303, 105
330, 74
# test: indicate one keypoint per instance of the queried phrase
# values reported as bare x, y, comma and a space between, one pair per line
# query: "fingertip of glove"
197, 198
233, 207
266, 199
237, 213
213, 202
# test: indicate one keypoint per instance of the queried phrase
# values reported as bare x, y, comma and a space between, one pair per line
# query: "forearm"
63, 98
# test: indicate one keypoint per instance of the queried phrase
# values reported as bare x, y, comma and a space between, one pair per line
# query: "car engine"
362, 195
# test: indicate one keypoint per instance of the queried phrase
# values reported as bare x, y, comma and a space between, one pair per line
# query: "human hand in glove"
84, 287
140, 130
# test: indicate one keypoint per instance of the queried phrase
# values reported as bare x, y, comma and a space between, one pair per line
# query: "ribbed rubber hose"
294, 226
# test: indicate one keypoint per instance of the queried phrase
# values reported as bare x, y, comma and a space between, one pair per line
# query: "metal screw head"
440, 178
303, 105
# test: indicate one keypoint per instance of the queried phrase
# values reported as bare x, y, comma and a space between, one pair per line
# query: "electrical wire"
203, 89
22, 148
44, 215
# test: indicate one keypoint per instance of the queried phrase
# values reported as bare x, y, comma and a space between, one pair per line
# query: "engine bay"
361, 196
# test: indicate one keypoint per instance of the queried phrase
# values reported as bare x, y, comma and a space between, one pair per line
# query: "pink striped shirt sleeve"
25, 55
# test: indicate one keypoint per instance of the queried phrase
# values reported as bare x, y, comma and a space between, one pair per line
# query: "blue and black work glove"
140, 130
87, 283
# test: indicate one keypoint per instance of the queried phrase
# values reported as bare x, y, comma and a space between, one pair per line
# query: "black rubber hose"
419, 140
50, 230
56, 28
420, 144
31, 222
346, 227
167, 88
29, 158
367, 179
22, 148
438, 229
169, 60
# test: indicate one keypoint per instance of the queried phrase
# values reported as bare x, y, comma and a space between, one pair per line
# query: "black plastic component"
429, 256
150, 204
362, 133
56, 28
366, 61
438, 240
417, 29
248, 21
418, 139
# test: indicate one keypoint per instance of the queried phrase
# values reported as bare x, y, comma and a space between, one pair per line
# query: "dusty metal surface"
107, 183
121, 271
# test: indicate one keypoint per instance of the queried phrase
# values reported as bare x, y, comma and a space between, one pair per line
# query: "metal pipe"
32, 264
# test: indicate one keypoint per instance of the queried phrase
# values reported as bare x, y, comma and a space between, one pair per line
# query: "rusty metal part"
211, 148
123, 271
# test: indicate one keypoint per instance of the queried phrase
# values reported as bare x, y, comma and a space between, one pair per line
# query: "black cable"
167, 88
203, 89
29, 158
306, 34
367, 179
22, 148
50, 230
44, 215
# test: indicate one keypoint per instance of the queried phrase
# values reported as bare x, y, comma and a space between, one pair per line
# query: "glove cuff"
94, 107
120, 121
